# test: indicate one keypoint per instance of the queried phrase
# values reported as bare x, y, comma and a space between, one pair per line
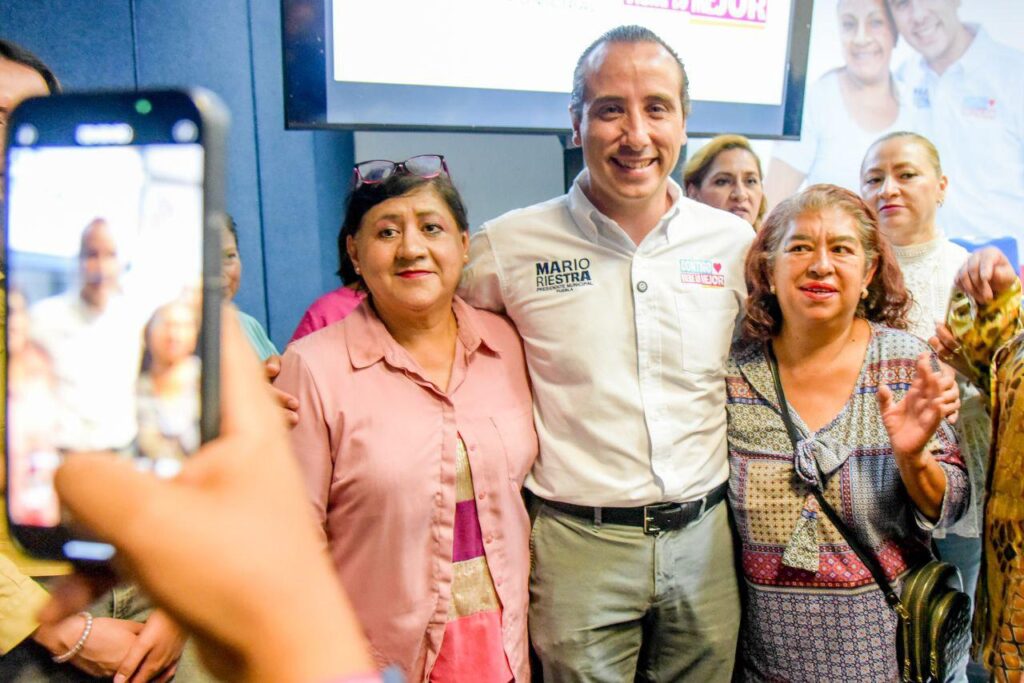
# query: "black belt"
653, 518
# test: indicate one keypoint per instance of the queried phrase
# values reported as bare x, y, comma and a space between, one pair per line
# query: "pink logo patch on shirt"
701, 272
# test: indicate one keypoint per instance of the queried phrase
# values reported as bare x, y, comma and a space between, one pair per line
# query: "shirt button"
641, 286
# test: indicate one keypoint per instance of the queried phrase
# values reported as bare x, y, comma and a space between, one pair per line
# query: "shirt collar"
978, 52
369, 341
592, 222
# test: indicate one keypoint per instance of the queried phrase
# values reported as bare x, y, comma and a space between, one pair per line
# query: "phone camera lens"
185, 131
26, 134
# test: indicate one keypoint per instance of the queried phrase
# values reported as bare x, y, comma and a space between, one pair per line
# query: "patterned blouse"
471, 649
813, 611
992, 343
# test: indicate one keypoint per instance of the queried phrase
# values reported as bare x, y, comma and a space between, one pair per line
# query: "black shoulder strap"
858, 548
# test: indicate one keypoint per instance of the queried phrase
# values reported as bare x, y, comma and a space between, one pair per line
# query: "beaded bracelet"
77, 647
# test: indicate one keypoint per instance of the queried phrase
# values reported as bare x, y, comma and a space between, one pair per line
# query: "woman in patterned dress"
415, 432
988, 345
826, 295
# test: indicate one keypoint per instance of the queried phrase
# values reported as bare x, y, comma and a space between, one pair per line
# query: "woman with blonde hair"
726, 174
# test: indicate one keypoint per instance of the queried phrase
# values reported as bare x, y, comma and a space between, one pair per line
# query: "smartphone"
114, 208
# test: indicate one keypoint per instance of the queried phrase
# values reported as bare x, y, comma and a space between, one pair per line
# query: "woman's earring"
771, 288
465, 257
864, 293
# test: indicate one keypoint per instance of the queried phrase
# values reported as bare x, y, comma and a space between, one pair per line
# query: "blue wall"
285, 188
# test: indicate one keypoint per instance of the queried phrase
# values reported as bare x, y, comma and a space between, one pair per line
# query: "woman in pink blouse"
415, 432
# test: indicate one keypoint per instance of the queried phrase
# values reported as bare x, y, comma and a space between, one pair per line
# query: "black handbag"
933, 632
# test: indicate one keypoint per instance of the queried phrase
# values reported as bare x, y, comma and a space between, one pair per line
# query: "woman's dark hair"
887, 301
367, 196
15, 53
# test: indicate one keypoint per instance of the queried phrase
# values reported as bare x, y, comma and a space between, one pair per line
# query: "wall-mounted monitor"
506, 65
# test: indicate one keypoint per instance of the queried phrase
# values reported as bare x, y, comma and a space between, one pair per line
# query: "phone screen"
104, 285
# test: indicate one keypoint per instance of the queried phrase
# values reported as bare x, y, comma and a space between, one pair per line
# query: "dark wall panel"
198, 43
302, 182
87, 44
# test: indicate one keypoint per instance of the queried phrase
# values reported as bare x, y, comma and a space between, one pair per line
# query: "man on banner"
966, 94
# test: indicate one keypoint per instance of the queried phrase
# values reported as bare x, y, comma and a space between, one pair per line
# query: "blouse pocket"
519, 441
706, 321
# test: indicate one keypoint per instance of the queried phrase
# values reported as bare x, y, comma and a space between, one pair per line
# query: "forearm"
925, 482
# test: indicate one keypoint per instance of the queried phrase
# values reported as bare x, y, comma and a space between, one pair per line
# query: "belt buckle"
651, 523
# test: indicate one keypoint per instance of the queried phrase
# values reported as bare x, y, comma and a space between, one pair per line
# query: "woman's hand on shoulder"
985, 274
288, 404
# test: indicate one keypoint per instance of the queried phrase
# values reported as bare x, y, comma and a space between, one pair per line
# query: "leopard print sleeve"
983, 332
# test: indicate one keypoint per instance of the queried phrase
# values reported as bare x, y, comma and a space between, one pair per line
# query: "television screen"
506, 65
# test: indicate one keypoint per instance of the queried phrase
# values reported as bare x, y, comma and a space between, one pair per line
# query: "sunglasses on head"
378, 170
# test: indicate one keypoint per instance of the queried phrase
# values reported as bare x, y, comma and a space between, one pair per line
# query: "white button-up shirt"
974, 114
626, 344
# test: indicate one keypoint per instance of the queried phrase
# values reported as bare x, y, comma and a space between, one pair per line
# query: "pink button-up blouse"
377, 445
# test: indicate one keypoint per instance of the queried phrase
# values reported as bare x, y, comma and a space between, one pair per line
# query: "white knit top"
929, 270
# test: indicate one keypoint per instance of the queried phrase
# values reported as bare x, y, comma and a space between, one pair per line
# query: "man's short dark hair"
19, 55
621, 34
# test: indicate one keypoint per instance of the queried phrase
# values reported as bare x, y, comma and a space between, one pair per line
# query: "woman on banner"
846, 109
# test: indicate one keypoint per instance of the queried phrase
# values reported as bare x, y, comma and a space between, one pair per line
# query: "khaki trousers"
610, 604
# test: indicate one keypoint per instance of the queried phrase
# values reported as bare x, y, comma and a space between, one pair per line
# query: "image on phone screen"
104, 283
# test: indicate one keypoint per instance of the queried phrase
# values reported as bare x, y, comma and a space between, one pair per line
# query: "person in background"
626, 293
725, 173
966, 94
827, 300
846, 109
336, 304
228, 547
232, 268
415, 432
93, 336
31, 456
902, 180
168, 386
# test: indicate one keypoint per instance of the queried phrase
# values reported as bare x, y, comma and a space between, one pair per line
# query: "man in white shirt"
966, 93
94, 339
626, 294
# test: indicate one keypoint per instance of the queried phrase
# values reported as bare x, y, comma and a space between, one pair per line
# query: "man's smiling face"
632, 125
